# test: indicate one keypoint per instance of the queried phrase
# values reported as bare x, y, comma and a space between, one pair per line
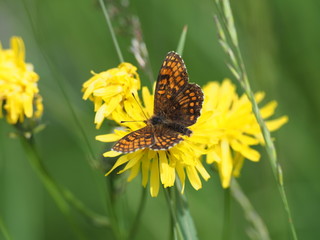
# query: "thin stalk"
182, 40
94, 218
238, 69
4, 230
227, 215
59, 79
112, 210
137, 219
258, 229
50, 184
177, 231
113, 35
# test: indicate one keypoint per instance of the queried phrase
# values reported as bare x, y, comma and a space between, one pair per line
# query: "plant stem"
227, 214
113, 35
4, 230
49, 183
182, 40
258, 229
177, 232
238, 69
137, 218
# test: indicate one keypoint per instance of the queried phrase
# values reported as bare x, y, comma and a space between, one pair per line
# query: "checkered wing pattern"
165, 138
142, 138
175, 98
186, 107
172, 79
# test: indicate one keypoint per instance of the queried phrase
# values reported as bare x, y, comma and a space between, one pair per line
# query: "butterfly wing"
165, 138
142, 138
186, 106
175, 98
172, 79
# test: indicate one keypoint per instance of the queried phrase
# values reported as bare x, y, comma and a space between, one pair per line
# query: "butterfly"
177, 105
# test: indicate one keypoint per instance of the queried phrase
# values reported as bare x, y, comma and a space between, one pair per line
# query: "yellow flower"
110, 88
235, 125
19, 93
180, 161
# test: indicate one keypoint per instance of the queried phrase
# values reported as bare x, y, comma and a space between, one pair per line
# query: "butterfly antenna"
145, 115
140, 109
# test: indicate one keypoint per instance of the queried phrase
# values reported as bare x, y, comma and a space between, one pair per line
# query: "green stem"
113, 35
4, 230
59, 79
258, 229
226, 221
239, 72
111, 205
272, 154
182, 40
183, 224
49, 183
137, 218
177, 232
96, 219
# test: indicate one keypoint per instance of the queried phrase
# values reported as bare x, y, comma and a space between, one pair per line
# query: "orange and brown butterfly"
177, 105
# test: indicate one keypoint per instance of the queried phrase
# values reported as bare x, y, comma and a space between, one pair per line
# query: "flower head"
19, 93
110, 89
235, 125
164, 166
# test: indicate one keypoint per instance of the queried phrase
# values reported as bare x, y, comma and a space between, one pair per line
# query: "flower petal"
154, 177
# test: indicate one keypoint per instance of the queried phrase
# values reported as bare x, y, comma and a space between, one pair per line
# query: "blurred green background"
280, 42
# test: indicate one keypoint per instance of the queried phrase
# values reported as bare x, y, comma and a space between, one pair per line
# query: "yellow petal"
259, 96
148, 100
202, 171
111, 137
111, 154
154, 177
182, 176
238, 163
108, 92
273, 125
194, 177
134, 172
246, 151
134, 160
145, 168
122, 160
100, 115
268, 110
226, 164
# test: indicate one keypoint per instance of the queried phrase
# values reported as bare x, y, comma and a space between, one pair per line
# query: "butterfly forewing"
172, 79
142, 138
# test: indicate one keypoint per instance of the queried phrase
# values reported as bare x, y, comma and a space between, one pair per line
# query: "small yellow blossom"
109, 89
19, 93
160, 167
235, 125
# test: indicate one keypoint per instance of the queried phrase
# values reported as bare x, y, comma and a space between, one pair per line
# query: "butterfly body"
155, 120
177, 105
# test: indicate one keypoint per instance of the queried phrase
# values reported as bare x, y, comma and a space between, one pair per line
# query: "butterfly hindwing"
165, 138
186, 107
142, 138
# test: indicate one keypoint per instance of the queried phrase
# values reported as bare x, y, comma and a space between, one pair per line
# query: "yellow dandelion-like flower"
19, 93
235, 125
164, 166
111, 88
